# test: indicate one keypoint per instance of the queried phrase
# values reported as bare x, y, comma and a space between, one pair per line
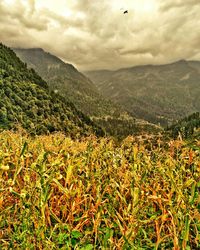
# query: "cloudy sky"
95, 34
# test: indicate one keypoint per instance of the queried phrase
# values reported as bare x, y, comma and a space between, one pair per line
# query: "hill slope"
65, 79
161, 93
26, 100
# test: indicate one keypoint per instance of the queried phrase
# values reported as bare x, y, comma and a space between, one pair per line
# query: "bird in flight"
124, 11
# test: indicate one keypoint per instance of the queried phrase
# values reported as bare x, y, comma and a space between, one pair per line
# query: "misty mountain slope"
26, 101
160, 93
65, 80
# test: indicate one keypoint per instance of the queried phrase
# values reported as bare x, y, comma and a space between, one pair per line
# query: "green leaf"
24, 149
76, 234
87, 247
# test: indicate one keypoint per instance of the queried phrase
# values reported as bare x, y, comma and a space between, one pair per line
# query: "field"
56, 193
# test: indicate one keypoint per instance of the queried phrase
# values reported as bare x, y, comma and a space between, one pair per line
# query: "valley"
65, 80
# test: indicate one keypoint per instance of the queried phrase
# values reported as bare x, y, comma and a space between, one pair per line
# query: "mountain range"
65, 80
160, 94
45, 94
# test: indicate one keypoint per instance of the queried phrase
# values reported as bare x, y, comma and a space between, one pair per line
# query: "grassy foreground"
56, 193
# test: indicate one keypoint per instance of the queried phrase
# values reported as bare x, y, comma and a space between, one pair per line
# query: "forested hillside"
158, 93
26, 101
187, 127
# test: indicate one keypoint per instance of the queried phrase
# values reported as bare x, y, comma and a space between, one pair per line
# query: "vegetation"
56, 192
26, 100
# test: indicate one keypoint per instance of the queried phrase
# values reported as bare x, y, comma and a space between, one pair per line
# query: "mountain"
25, 100
66, 80
156, 93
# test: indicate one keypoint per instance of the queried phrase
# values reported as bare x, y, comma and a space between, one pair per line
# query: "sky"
96, 34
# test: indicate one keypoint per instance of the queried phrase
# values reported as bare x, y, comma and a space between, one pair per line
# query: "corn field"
59, 193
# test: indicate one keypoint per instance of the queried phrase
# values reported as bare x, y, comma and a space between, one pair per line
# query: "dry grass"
92, 194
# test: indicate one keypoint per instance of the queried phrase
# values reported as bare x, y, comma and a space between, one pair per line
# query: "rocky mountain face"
157, 93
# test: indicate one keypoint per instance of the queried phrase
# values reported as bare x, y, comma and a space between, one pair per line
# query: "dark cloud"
96, 34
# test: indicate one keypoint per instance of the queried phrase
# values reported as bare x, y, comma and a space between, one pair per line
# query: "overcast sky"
95, 34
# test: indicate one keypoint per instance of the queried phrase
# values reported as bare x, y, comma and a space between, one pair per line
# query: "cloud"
96, 34
22, 16
175, 4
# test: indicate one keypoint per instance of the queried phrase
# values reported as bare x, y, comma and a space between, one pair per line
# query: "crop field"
59, 193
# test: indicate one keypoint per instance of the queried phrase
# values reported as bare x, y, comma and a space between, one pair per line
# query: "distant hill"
159, 94
66, 80
25, 100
